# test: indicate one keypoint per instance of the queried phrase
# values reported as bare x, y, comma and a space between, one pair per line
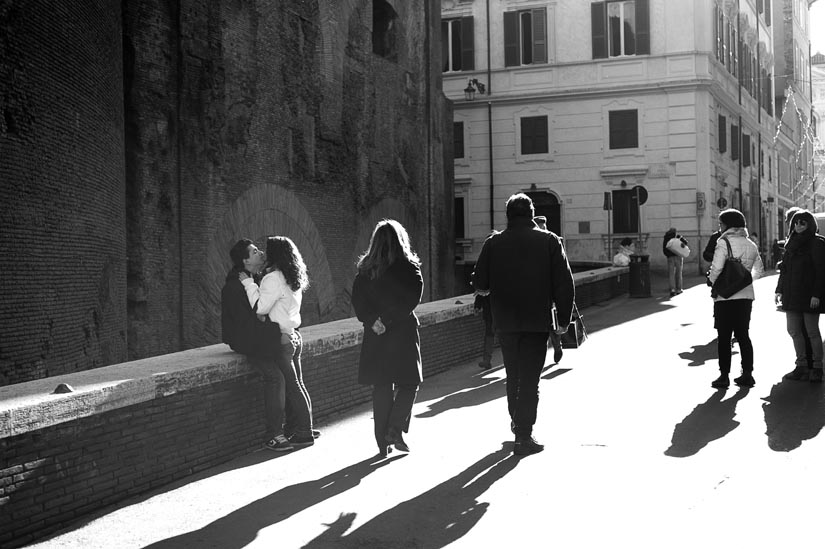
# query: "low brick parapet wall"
131, 427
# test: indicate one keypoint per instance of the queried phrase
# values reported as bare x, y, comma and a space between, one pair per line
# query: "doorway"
547, 204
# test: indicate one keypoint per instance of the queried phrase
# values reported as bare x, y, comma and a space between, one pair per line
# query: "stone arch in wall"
262, 211
388, 208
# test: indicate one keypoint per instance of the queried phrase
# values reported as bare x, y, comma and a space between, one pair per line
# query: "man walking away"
524, 270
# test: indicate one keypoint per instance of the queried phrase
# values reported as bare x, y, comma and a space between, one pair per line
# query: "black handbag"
734, 276
576, 333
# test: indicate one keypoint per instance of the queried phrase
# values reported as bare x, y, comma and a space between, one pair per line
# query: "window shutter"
598, 28
511, 34
723, 134
734, 142
458, 139
539, 17
467, 46
642, 28
768, 12
746, 150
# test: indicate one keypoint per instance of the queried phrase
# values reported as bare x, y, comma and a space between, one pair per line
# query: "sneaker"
721, 382
745, 380
526, 446
485, 365
800, 373
279, 444
302, 440
815, 375
557, 354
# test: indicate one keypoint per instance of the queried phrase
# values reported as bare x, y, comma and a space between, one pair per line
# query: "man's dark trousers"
524, 354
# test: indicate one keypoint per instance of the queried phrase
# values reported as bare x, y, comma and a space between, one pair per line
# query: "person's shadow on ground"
700, 353
794, 412
240, 527
709, 421
436, 518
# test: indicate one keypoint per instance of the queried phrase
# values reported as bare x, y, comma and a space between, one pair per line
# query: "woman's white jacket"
743, 248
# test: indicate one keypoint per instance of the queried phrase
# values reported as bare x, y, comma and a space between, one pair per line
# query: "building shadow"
709, 421
794, 412
436, 518
240, 527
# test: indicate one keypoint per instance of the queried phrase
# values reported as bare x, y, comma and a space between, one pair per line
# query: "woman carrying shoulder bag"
732, 315
799, 292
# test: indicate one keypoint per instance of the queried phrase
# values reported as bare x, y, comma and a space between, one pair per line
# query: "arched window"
384, 30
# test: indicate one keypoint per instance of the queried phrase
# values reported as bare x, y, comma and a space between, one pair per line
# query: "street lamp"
473, 86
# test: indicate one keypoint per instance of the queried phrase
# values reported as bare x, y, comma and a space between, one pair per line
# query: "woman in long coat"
799, 292
386, 291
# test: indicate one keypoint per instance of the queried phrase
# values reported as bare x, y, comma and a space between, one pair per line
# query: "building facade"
140, 140
620, 118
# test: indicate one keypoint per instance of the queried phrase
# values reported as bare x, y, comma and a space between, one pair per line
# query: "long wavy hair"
282, 254
389, 243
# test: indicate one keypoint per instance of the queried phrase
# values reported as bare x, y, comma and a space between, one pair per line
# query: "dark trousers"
294, 395
524, 354
733, 317
392, 407
489, 337
272, 382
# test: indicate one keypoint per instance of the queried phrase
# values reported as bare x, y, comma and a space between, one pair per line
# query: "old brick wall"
62, 226
52, 477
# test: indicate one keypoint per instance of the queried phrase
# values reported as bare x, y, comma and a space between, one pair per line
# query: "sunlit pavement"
640, 452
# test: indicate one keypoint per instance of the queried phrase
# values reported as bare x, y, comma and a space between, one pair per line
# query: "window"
624, 129
768, 12
723, 134
457, 50
458, 216
620, 28
534, 135
384, 30
525, 37
734, 142
625, 212
458, 139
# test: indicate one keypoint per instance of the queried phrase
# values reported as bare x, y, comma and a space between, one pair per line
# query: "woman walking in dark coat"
799, 292
385, 293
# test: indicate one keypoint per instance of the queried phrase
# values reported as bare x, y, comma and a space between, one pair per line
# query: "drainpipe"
490, 126
429, 167
739, 78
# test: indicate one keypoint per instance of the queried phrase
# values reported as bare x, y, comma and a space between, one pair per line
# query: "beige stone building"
588, 104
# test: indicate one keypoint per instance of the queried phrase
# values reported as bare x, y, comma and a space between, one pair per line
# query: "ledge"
29, 406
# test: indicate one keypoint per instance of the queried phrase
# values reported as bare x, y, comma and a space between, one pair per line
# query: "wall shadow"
709, 421
436, 518
794, 412
241, 527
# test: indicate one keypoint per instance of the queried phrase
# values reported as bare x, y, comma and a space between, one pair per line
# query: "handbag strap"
730, 250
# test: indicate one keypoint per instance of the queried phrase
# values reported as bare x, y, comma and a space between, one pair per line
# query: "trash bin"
639, 276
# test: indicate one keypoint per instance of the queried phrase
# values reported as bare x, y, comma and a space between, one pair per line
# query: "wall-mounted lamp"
473, 86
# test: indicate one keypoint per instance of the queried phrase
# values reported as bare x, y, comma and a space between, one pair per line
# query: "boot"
721, 382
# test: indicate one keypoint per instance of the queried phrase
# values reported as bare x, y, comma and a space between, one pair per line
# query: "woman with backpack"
732, 314
799, 293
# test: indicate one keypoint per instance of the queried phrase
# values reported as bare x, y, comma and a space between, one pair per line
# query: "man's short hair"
520, 205
732, 218
239, 252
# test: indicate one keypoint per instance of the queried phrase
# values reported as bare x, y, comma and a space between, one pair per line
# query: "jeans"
294, 394
674, 273
802, 327
391, 408
524, 354
733, 317
272, 382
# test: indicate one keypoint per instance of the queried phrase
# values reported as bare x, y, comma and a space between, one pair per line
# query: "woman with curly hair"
386, 291
279, 300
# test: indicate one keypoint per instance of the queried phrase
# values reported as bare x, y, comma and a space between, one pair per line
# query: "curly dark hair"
282, 254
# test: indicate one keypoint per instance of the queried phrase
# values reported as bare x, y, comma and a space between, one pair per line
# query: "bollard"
639, 276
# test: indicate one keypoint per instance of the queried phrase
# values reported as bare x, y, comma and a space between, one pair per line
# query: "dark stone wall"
168, 129
62, 216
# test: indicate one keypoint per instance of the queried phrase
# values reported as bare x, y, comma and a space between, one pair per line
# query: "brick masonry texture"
54, 474
139, 140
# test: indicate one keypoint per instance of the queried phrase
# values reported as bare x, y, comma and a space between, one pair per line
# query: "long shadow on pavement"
436, 518
794, 412
241, 527
709, 421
